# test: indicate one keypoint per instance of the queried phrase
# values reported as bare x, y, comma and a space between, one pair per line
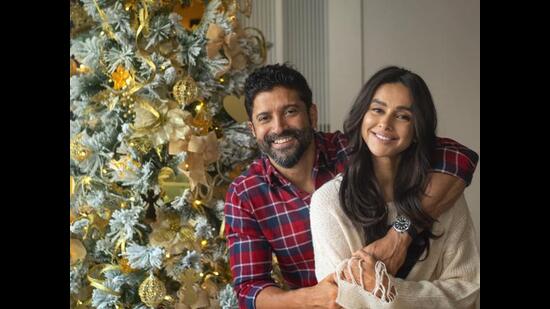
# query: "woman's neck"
385, 169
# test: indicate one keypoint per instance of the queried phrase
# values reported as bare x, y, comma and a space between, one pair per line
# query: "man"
267, 207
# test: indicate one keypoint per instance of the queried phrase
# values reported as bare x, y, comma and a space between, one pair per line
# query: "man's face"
282, 126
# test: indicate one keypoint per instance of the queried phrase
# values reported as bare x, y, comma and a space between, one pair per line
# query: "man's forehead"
276, 98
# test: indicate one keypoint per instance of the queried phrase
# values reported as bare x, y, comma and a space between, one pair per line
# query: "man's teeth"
382, 137
282, 140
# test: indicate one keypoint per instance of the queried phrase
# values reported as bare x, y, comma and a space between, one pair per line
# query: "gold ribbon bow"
160, 123
230, 44
201, 151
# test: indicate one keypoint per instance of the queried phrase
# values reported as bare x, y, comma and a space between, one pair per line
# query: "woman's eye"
404, 117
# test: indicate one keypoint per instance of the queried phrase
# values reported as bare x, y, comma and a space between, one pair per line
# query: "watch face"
401, 223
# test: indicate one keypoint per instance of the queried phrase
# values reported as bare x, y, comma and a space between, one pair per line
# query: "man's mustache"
270, 138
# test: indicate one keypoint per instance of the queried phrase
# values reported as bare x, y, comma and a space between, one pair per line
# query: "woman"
391, 130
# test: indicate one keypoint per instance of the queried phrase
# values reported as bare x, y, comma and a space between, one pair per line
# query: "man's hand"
323, 295
390, 249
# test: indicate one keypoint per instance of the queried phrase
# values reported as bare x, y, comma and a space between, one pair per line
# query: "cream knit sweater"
448, 278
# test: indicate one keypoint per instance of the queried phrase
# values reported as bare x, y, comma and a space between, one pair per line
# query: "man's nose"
279, 124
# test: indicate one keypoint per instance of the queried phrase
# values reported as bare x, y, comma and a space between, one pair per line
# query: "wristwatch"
403, 224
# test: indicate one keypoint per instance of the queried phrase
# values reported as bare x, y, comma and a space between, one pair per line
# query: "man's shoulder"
336, 137
254, 176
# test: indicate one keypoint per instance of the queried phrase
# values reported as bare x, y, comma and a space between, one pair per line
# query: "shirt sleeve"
452, 158
249, 252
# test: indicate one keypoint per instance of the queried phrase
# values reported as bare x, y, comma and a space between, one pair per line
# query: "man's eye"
290, 111
262, 118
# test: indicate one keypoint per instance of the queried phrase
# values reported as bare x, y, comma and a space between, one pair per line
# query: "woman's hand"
365, 273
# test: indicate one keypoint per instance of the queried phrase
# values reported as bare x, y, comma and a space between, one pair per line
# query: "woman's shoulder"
326, 196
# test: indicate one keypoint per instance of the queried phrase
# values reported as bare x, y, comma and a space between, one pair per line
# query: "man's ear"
313, 116
251, 127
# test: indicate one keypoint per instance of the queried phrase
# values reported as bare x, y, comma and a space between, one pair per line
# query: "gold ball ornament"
78, 151
185, 90
152, 291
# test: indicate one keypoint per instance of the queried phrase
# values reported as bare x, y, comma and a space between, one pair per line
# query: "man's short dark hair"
270, 76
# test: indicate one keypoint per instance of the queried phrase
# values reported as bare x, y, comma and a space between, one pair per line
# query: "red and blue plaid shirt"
265, 214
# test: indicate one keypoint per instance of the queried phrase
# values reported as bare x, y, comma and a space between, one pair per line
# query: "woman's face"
388, 127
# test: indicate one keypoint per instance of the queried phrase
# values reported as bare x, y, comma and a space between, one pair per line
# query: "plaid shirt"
265, 214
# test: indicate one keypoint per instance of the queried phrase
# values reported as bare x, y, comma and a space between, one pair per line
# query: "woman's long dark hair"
360, 194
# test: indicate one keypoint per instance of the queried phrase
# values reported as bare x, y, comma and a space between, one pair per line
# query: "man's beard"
287, 158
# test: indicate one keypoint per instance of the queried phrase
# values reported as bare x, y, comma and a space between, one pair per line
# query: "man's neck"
300, 174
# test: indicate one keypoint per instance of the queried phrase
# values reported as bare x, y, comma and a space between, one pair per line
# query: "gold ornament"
152, 291
78, 151
185, 91
120, 77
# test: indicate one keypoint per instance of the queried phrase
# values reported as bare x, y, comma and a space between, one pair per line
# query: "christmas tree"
157, 135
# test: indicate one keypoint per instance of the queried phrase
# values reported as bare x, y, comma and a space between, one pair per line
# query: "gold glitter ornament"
78, 151
185, 90
152, 291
